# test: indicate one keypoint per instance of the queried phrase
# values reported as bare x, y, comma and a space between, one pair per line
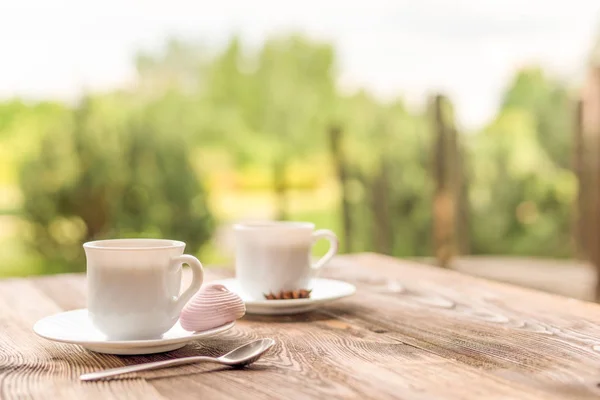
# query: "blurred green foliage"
103, 175
163, 156
522, 189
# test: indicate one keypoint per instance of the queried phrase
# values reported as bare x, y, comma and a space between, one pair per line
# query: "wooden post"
380, 210
462, 199
579, 220
444, 202
279, 183
339, 159
593, 163
590, 183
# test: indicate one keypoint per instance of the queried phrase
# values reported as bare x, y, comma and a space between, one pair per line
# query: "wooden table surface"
411, 331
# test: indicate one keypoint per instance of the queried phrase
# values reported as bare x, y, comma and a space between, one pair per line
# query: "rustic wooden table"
411, 331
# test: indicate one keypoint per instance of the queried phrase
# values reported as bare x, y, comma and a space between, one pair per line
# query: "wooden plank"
334, 357
411, 331
31, 367
504, 330
571, 278
319, 357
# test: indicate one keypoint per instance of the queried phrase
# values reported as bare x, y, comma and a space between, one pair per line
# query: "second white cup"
275, 256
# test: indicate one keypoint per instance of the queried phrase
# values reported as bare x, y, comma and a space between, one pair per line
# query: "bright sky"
468, 48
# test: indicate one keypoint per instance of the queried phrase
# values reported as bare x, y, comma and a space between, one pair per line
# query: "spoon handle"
92, 376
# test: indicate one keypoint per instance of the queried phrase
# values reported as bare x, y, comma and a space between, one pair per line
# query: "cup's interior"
133, 244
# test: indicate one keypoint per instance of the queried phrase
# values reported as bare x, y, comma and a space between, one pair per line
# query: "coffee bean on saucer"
288, 295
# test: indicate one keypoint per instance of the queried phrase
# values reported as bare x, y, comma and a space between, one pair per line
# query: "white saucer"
75, 327
323, 291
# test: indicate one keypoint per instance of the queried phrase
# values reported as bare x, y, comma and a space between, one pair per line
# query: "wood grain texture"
444, 196
411, 332
579, 167
590, 177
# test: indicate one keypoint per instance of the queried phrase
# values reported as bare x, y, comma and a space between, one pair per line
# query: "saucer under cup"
75, 327
323, 291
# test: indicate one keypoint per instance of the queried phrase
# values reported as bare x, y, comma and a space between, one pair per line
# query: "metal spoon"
243, 355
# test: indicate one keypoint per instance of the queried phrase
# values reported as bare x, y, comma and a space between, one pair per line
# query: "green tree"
522, 190
520, 199
293, 88
388, 152
107, 173
292, 91
548, 102
21, 126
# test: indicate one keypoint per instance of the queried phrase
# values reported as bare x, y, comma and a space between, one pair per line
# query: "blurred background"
460, 133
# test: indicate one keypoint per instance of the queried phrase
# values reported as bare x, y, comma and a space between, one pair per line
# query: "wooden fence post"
589, 185
380, 209
462, 199
580, 170
444, 200
280, 186
339, 159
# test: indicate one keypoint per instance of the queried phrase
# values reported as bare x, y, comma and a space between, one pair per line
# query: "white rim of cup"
154, 244
261, 225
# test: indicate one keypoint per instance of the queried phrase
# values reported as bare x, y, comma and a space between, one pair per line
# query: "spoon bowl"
247, 353
238, 357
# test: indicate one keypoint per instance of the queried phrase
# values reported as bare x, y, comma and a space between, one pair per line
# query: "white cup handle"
333, 246
197, 279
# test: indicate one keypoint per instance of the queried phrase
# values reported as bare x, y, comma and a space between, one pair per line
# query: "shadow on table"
199, 369
312, 316
202, 370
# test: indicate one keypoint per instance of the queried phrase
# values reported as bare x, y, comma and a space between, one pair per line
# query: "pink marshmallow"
211, 307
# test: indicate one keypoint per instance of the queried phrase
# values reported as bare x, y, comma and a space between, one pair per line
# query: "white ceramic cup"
275, 256
134, 285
